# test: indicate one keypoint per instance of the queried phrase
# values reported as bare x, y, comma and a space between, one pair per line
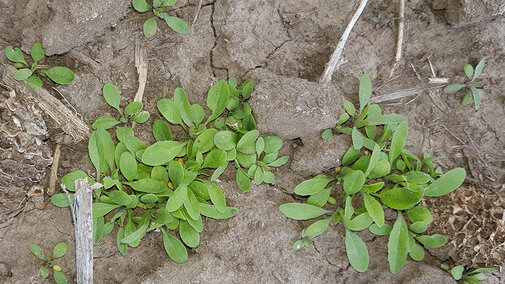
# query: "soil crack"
211, 52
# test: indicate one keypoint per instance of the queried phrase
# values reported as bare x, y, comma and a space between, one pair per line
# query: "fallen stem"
402, 93
399, 40
335, 57
54, 170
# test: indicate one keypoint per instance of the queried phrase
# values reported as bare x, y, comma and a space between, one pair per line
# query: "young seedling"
59, 250
59, 75
171, 183
467, 276
376, 173
472, 87
150, 25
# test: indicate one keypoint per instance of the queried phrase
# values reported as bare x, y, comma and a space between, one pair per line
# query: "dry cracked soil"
284, 46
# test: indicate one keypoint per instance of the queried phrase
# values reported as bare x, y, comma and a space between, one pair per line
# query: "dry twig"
399, 40
141, 64
54, 170
196, 13
335, 57
402, 94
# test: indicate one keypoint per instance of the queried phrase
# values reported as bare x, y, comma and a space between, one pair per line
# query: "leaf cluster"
150, 25
59, 75
473, 88
169, 185
377, 173
59, 250
470, 276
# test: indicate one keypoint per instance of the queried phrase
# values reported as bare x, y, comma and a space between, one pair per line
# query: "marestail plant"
376, 174
474, 91
169, 185
150, 26
59, 250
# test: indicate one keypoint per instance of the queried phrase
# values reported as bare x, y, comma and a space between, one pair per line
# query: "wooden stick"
51, 190
83, 231
141, 64
402, 94
399, 40
53, 107
335, 57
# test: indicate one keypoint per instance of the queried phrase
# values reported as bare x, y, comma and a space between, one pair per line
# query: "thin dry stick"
54, 170
196, 13
83, 211
73, 108
141, 64
335, 57
402, 94
399, 40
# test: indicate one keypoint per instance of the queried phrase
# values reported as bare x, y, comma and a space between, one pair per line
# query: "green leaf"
374, 209
95, 153
150, 27
69, 179
467, 99
216, 196
447, 183
373, 159
398, 141
385, 119
317, 228
372, 188
174, 248
37, 52
111, 96
210, 211
59, 250
356, 250
400, 198
398, 244
312, 186
327, 134
419, 227
349, 107
120, 246
128, 166
177, 199
225, 140
350, 156
214, 159
453, 88
121, 132
188, 235
243, 181
319, 199
169, 110
176, 24
279, 162
140, 5
433, 241
419, 214
119, 197
384, 230
59, 277
60, 75
133, 144
477, 96
353, 182
357, 139
148, 185
61, 200
14, 54
365, 91
23, 74
299, 211
359, 223
133, 108
457, 271
34, 82
205, 141
468, 70
105, 122
101, 209
44, 272
248, 139
161, 131
197, 114
161, 152
140, 232
272, 144
37, 251
478, 69
105, 142
247, 89
417, 252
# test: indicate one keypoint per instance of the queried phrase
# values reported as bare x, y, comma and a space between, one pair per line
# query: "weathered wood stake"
83, 212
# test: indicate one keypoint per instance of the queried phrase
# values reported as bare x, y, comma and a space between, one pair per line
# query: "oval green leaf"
59, 250
150, 27
60, 75
356, 250
300, 211
398, 244
447, 183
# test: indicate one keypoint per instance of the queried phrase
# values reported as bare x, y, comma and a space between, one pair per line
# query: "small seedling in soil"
59, 75
150, 25
59, 250
169, 185
376, 174
472, 87
467, 276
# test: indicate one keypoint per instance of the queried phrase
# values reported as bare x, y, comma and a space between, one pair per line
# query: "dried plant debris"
475, 226
24, 156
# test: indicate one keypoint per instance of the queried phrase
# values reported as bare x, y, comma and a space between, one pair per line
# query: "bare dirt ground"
289, 41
